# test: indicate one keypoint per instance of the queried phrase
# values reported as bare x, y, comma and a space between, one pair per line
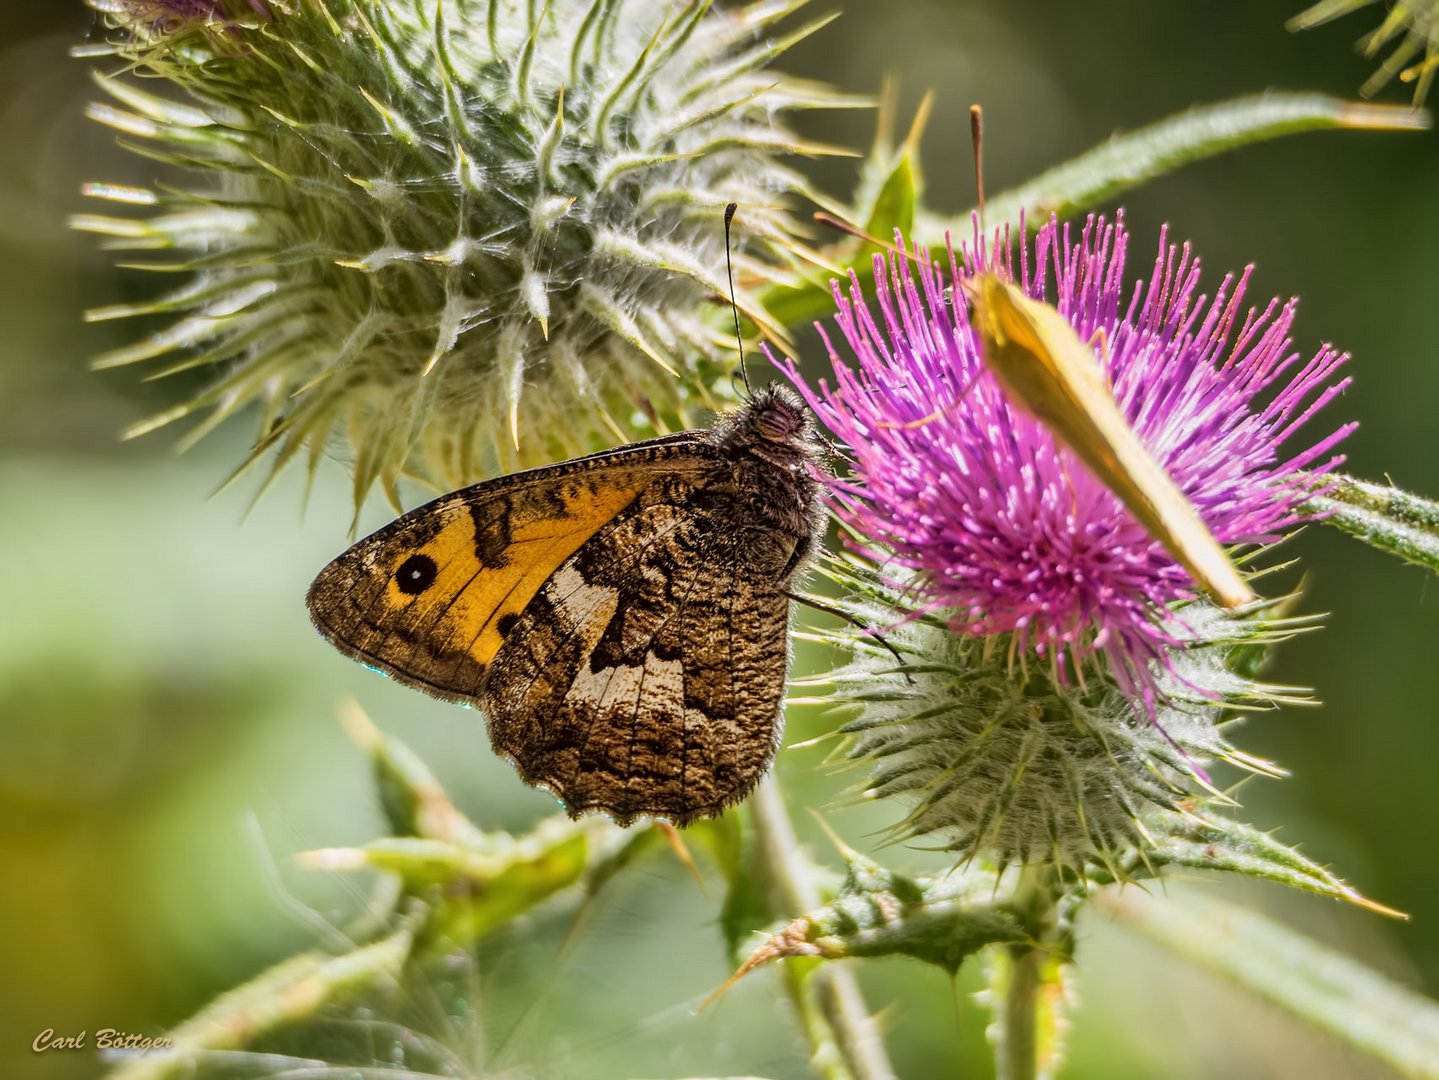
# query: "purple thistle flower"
1008, 531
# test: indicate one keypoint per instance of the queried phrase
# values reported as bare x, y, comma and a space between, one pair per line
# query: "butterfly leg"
847, 617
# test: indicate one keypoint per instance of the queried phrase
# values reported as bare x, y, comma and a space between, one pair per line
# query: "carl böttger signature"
104, 1039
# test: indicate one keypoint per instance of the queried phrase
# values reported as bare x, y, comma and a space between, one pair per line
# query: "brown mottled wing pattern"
647, 675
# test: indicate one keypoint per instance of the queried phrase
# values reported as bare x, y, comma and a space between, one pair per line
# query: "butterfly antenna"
840, 613
734, 306
976, 139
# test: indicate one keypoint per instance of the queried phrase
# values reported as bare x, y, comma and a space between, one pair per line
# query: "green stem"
292, 992
843, 1037
1025, 983
1128, 159
1019, 1041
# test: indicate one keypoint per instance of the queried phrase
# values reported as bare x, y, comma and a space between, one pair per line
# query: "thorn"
840, 225
784, 943
1378, 908
358, 725
723, 988
331, 859
917, 126
847, 853
682, 852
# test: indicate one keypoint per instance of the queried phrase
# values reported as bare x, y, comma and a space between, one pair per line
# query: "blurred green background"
167, 733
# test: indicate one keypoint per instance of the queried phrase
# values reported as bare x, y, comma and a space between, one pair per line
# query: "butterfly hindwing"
647, 675
620, 619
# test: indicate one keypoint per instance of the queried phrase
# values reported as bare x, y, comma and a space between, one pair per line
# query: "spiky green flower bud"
461, 236
1000, 755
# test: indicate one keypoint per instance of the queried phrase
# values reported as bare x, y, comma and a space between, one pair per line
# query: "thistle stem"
843, 1037
1018, 1042
1024, 982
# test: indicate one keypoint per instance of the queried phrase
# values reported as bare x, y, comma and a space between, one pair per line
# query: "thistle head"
1067, 680
459, 238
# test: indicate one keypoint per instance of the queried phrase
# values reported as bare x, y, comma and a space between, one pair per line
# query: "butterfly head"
774, 424
778, 416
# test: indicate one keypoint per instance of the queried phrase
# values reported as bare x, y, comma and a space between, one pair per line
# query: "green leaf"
1126, 161
291, 992
881, 913
887, 157
746, 910
474, 888
897, 200
887, 197
470, 882
1321, 987
1216, 843
719, 837
412, 799
898, 182
1383, 517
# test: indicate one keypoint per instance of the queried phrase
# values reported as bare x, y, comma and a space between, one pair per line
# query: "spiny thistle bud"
1002, 757
1063, 684
460, 236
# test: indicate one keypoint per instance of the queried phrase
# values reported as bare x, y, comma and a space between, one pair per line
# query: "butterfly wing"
430, 598
647, 675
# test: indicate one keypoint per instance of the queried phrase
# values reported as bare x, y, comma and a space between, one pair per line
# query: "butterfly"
620, 619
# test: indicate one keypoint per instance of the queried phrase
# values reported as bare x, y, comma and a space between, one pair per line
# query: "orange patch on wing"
462, 610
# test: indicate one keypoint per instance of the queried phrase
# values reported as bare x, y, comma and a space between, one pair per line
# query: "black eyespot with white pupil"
416, 574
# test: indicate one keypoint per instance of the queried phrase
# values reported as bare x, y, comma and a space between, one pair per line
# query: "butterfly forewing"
427, 598
621, 619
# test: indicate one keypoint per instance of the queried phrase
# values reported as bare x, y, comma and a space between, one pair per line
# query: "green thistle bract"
1410, 26
461, 237
998, 756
